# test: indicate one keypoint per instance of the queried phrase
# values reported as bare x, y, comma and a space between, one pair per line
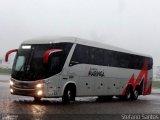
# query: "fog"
129, 24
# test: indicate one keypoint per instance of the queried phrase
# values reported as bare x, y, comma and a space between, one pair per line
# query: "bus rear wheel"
68, 95
127, 95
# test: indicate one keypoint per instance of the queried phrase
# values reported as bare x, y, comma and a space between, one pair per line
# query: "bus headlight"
39, 92
11, 90
39, 85
11, 82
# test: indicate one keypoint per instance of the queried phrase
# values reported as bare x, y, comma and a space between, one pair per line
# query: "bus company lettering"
95, 72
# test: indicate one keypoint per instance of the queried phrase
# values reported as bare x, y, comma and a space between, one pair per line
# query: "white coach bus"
69, 67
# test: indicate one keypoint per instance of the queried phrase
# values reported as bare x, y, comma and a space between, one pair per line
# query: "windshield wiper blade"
20, 70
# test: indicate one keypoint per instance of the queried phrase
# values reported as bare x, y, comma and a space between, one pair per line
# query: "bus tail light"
8, 53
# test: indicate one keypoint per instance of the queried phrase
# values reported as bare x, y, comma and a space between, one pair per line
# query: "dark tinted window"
29, 65
57, 60
80, 55
149, 63
87, 55
98, 56
65, 47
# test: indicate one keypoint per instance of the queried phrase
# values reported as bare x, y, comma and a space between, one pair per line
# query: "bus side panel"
85, 84
53, 86
117, 79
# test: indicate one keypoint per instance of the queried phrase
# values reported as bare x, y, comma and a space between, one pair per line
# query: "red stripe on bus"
134, 82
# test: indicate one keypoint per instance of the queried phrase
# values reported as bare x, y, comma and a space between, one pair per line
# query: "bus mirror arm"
8, 53
48, 53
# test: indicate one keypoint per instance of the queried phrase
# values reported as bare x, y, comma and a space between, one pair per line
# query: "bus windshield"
28, 64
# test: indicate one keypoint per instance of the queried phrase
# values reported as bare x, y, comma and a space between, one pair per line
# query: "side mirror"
48, 53
8, 53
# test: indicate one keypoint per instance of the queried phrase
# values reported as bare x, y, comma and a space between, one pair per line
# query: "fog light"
11, 90
39, 93
11, 82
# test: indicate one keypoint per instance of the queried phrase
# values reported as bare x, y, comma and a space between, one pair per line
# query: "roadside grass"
156, 84
5, 71
4, 81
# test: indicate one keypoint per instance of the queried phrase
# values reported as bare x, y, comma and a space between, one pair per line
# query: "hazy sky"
129, 24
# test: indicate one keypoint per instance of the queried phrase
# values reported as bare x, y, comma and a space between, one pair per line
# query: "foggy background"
129, 24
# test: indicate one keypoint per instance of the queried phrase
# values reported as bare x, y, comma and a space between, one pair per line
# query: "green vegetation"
156, 84
5, 71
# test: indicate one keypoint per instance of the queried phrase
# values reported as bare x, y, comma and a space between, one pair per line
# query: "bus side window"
96, 56
80, 55
150, 63
106, 57
75, 57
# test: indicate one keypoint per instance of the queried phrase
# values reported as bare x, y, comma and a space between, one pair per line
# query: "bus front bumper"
27, 92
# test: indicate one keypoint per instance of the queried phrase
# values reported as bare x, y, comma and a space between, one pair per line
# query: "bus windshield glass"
28, 64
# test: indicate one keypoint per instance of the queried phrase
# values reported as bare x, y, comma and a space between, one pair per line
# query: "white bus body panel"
114, 81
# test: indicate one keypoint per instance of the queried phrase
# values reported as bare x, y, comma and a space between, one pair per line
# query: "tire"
37, 99
127, 95
135, 95
69, 95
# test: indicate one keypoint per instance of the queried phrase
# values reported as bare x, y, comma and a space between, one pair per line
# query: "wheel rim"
69, 94
136, 94
128, 94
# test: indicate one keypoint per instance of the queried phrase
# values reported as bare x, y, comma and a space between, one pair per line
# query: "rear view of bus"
34, 65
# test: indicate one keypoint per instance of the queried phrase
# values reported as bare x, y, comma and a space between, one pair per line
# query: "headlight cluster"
11, 83
40, 93
11, 90
39, 85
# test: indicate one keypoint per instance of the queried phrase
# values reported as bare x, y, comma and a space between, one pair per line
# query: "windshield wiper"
20, 70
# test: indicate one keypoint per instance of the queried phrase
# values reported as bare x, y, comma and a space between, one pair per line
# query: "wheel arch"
72, 84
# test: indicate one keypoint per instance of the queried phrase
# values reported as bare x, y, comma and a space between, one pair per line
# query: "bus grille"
23, 85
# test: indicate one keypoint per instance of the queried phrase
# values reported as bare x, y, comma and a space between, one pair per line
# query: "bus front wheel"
68, 95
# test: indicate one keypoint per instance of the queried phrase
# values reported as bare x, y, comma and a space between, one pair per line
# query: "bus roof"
50, 40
